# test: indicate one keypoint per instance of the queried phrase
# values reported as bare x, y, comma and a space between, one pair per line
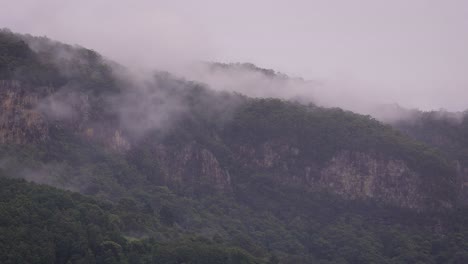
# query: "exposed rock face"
353, 175
192, 165
361, 175
26, 116
20, 123
119, 142
268, 155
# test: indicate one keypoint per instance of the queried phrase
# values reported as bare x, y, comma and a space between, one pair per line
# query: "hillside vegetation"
164, 170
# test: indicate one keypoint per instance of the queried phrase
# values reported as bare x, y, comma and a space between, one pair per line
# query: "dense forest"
444, 130
41, 224
165, 170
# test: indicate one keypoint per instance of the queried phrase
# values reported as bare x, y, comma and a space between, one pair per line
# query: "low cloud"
392, 52
65, 104
253, 81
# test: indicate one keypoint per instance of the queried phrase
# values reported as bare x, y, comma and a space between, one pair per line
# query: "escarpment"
350, 174
77, 111
312, 161
20, 122
445, 131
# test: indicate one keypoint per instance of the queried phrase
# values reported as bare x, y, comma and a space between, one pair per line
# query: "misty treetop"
38, 62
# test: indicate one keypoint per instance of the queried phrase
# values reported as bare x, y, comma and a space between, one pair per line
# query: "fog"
355, 53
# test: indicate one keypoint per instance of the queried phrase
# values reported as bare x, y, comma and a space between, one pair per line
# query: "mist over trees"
162, 169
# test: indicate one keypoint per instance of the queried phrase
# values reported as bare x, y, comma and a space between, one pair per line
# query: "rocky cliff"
20, 122
181, 134
446, 131
192, 166
351, 174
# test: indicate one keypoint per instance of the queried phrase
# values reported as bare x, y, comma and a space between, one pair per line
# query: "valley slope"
285, 181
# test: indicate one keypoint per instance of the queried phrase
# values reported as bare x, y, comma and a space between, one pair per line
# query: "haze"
413, 53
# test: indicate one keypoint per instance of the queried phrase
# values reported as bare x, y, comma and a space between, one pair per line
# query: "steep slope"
344, 152
195, 138
446, 131
277, 178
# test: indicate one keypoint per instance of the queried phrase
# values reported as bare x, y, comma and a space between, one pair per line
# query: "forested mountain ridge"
446, 131
198, 137
282, 180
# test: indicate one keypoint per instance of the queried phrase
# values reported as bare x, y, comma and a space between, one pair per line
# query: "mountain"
180, 166
445, 131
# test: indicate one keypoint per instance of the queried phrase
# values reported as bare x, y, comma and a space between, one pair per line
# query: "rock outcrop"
191, 165
353, 175
20, 123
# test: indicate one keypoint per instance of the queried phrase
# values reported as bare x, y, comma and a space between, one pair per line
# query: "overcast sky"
412, 52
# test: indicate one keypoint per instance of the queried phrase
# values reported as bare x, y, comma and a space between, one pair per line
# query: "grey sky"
412, 52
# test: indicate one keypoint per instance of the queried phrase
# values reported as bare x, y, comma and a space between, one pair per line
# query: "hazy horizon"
410, 53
